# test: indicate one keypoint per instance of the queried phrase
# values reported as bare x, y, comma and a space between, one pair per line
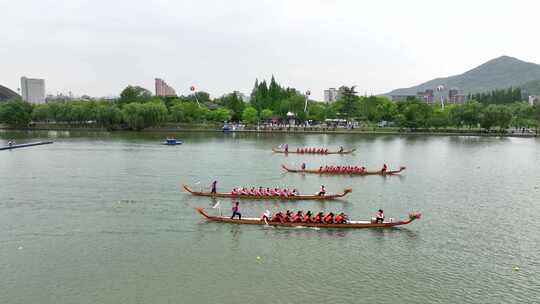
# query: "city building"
331, 95
534, 100
427, 96
455, 98
33, 90
163, 89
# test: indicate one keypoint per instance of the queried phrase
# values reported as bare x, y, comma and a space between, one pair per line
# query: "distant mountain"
498, 73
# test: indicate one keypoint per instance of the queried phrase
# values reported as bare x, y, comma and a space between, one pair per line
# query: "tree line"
136, 109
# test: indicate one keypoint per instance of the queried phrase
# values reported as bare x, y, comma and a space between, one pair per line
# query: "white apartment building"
331, 95
33, 90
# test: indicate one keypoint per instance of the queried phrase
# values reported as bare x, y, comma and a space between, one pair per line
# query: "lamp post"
192, 89
308, 92
440, 88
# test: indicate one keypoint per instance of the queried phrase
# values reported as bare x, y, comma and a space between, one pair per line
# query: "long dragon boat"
317, 171
350, 224
276, 197
293, 151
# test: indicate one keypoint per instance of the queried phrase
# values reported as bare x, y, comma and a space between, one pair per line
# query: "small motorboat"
172, 142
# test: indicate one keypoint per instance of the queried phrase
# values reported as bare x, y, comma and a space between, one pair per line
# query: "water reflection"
380, 234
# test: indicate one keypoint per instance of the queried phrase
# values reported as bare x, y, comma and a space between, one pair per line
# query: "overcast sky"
98, 47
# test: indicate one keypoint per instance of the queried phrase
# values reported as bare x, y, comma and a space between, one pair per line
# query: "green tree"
457, 115
250, 115
15, 112
535, 115
108, 115
40, 112
416, 114
349, 101
316, 112
194, 113
266, 114
505, 117
368, 108
221, 115
521, 112
386, 110
471, 113
439, 118
178, 112
495, 115
133, 115
154, 114
134, 94
234, 103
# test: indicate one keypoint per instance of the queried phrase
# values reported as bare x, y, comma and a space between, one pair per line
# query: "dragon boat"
293, 151
317, 171
266, 197
349, 224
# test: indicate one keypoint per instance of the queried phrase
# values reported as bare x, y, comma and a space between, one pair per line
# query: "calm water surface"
100, 218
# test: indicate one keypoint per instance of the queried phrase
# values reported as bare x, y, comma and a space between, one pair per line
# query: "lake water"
101, 218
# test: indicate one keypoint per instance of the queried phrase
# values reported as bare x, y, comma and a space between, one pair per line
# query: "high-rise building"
33, 90
163, 89
331, 95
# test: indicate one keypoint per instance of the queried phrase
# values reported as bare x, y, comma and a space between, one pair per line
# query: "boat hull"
349, 225
39, 143
256, 197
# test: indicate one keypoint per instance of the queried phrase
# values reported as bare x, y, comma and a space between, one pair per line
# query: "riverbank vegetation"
137, 109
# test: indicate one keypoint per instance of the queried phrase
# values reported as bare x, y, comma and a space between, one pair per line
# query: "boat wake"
305, 227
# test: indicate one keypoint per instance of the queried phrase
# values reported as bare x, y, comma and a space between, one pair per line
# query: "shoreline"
279, 131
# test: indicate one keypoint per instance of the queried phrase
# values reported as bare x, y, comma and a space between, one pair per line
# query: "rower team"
348, 169
300, 217
275, 192
308, 150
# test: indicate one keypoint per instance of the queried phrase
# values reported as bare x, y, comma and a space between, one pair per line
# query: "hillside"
531, 88
498, 73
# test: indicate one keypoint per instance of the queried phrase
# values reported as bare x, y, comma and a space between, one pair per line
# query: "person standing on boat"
384, 168
340, 149
214, 187
322, 192
266, 217
380, 216
303, 166
236, 211
286, 148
